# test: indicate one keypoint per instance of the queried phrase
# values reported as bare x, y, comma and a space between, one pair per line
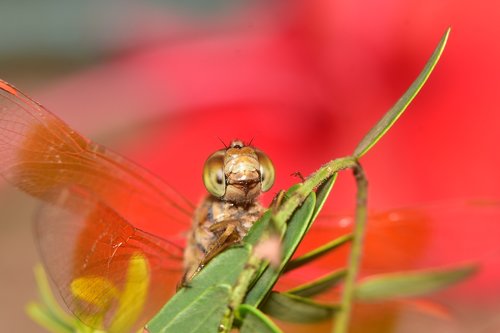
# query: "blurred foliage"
54, 37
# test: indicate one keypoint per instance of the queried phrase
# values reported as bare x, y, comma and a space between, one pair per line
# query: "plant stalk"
312, 182
239, 291
341, 320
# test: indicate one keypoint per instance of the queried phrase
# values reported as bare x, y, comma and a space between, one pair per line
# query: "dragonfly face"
238, 174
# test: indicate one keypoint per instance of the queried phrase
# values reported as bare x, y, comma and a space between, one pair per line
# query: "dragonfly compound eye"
213, 174
266, 170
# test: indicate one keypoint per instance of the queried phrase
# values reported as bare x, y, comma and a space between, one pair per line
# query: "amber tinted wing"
98, 202
111, 275
439, 235
408, 238
39, 152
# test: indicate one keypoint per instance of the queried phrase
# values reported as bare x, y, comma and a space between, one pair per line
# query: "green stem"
341, 321
316, 179
317, 252
239, 291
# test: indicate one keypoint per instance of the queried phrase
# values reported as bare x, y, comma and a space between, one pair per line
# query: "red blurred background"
304, 79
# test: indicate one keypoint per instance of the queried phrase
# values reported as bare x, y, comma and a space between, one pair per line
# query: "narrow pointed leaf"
297, 309
203, 315
185, 307
44, 317
296, 229
255, 233
320, 285
322, 194
47, 297
318, 252
411, 284
255, 321
395, 112
48, 313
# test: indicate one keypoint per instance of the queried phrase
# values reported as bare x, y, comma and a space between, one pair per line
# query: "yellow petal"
95, 290
133, 296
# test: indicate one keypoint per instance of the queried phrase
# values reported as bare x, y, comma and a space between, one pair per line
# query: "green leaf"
297, 309
185, 308
203, 314
374, 135
410, 284
296, 229
49, 314
255, 233
318, 252
47, 296
322, 194
254, 321
44, 317
320, 285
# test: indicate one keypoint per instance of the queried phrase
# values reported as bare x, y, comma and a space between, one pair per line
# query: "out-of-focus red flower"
305, 81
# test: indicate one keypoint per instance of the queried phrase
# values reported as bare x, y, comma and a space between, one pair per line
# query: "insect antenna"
223, 143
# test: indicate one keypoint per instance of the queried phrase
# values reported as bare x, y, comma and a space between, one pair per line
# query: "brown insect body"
235, 177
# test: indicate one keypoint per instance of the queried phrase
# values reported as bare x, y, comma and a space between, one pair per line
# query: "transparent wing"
443, 234
111, 275
39, 152
110, 272
409, 238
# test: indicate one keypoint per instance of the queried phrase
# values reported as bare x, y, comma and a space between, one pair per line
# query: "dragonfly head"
238, 173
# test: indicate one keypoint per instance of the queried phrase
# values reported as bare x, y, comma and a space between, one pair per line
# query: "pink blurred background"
161, 83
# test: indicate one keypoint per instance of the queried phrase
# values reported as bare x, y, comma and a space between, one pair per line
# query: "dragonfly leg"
277, 200
299, 175
227, 235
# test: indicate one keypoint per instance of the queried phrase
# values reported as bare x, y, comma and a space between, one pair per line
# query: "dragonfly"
108, 230
111, 270
234, 177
